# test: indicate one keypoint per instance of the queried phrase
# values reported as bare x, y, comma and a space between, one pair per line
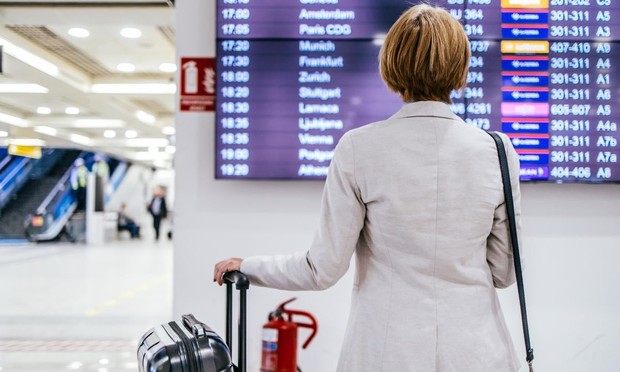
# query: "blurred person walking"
79, 179
158, 209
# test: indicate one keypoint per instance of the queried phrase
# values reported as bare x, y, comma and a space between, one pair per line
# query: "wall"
572, 242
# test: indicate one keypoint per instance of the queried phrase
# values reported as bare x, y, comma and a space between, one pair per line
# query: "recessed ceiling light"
168, 131
153, 149
131, 133
131, 33
109, 133
44, 110
4, 133
168, 67
126, 67
78, 32
171, 149
72, 111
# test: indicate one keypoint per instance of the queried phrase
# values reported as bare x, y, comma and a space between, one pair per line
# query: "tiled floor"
66, 307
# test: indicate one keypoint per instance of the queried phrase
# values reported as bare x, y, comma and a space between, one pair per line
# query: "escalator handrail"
118, 175
60, 186
56, 223
13, 172
6, 160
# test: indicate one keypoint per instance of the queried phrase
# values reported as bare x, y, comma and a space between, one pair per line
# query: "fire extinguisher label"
270, 339
270, 335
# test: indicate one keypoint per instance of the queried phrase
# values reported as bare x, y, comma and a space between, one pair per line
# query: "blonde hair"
425, 55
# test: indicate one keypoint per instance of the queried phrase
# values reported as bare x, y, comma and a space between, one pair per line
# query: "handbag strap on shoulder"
510, 209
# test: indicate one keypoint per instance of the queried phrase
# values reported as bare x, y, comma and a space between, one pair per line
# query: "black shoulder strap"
510, 208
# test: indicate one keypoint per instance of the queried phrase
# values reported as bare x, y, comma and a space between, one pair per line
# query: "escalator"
42, 179
57, 212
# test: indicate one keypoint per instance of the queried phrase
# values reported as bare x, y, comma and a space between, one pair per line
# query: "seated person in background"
127, 223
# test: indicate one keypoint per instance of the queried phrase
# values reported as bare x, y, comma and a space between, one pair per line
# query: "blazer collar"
425, 108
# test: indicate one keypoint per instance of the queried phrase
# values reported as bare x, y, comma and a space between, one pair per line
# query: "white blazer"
418, 198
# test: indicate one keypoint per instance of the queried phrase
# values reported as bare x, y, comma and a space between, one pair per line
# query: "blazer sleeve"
499, 248
341, 220
164, 208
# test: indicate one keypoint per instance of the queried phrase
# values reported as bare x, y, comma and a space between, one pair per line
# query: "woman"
418, 199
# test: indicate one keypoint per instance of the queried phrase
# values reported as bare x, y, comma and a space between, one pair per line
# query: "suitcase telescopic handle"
238, 278
242, 283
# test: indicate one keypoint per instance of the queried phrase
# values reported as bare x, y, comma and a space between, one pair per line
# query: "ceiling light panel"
168, 131
44, 110
23, 88
168, 67
78, 32
72, 110
108, 48
80, 139
46, 130
27, 142
146, 142
131, 133
109, 133
131, 33
154, 88
145, 155
126, 67
145, 117
29, 58
98, 123
12, 120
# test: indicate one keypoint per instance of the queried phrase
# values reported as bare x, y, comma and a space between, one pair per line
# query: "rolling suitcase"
191, 346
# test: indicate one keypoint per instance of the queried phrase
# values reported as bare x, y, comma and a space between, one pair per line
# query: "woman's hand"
222, 267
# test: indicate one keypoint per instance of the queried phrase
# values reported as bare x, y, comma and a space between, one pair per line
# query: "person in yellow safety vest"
100, 167
79, 176
102, 171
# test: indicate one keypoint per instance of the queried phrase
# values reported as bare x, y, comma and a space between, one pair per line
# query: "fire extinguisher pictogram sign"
197, 84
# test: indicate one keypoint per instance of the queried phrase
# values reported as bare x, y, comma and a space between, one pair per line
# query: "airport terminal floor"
81, 307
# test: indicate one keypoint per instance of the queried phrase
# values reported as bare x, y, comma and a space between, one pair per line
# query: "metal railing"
5, 161
13, 178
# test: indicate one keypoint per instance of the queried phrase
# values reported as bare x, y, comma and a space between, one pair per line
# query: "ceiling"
46, 73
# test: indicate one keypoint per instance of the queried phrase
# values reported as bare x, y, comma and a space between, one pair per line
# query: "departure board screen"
294, 75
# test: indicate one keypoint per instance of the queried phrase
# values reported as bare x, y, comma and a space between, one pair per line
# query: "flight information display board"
294, 75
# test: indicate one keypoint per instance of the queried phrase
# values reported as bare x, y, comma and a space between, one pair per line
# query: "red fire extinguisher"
280, 339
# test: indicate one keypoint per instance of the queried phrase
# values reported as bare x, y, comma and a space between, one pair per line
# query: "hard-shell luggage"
191, 346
